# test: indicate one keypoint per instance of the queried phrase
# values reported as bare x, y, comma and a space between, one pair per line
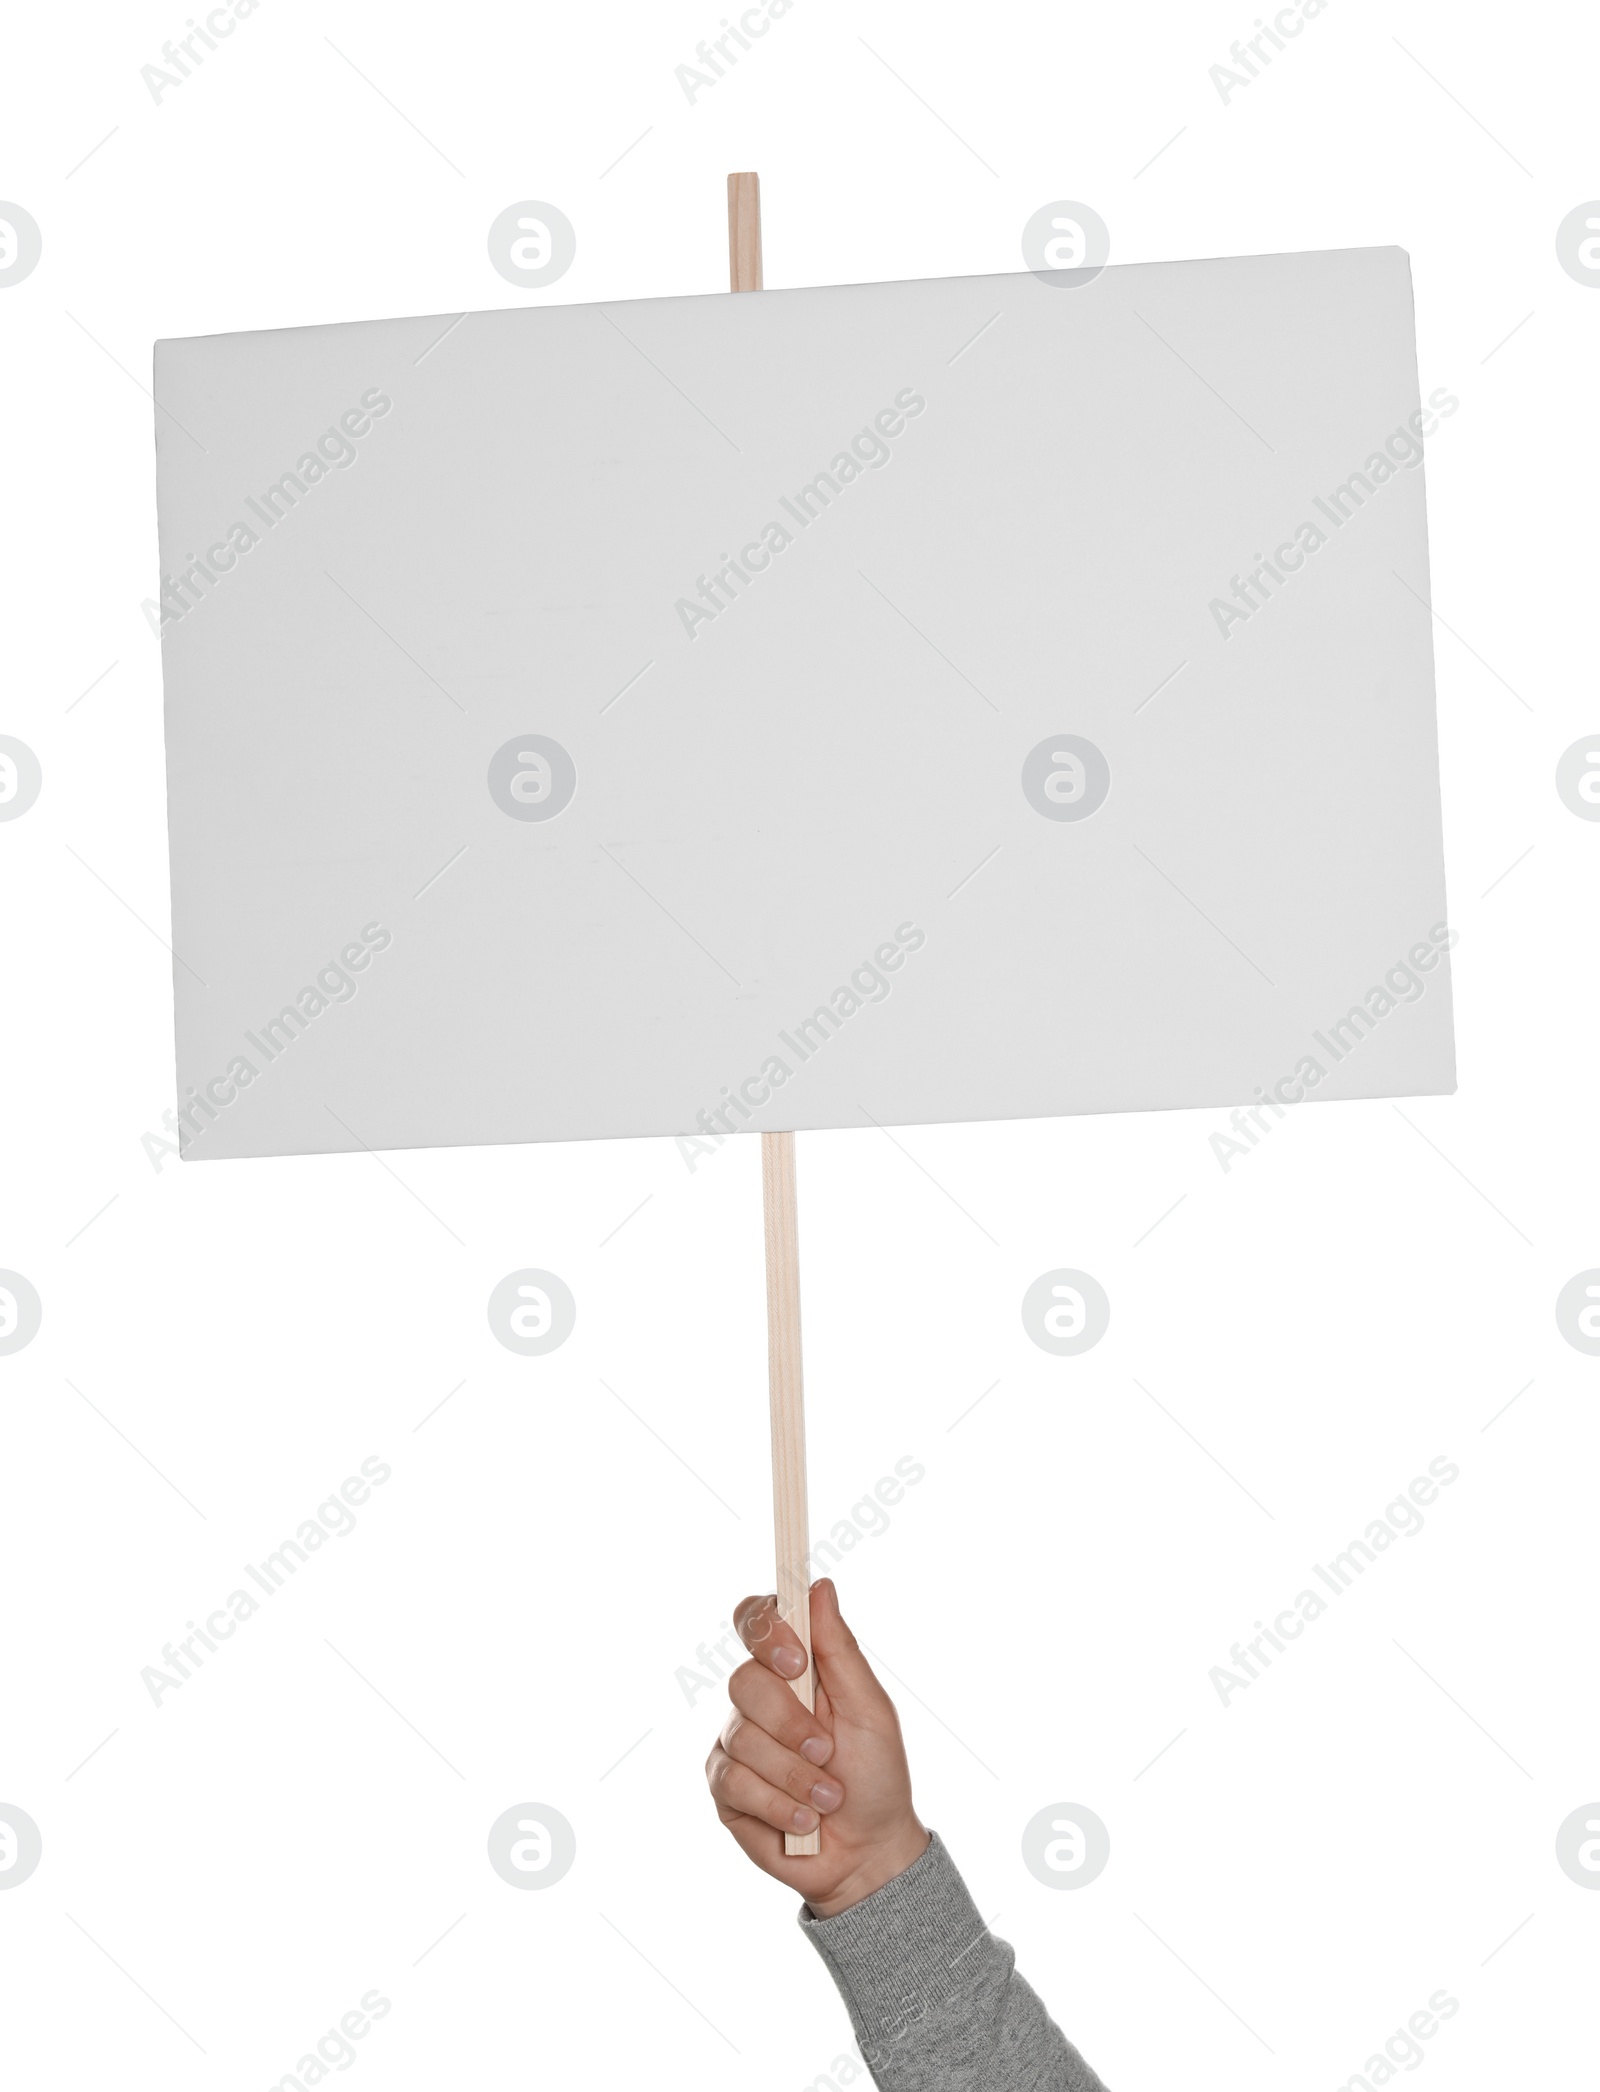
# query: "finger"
770, 1704
737, 1791
761, 1843
769, 1637
850, 1679
747, 1743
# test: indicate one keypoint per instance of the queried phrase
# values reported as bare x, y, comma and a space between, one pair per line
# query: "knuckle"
734, 1787
761, 1625
734, 1739
744, 1683
753, 1619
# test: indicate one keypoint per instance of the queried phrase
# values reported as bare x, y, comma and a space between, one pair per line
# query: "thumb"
850, 1680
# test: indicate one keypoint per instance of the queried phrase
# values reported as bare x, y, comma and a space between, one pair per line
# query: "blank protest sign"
911, 702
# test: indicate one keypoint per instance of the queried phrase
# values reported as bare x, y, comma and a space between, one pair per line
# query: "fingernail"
790, 1661
826, 1795
805, 1819
818, 1749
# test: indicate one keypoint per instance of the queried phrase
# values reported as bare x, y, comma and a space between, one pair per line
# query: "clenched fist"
776, 1768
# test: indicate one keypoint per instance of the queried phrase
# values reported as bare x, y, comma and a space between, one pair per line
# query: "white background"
1290, 1343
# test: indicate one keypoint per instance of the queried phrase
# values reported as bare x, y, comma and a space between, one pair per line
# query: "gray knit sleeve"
934, 1997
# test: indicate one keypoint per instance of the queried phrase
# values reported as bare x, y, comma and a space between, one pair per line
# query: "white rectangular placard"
947, 700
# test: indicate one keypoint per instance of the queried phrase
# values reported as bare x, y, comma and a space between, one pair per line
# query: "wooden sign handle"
744, 232
791, 1523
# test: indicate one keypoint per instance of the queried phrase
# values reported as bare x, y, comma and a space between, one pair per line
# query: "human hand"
776, 1768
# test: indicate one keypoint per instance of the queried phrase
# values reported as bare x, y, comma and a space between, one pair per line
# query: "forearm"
934, 1997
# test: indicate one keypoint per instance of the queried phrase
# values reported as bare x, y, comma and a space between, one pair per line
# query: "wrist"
886, 1861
